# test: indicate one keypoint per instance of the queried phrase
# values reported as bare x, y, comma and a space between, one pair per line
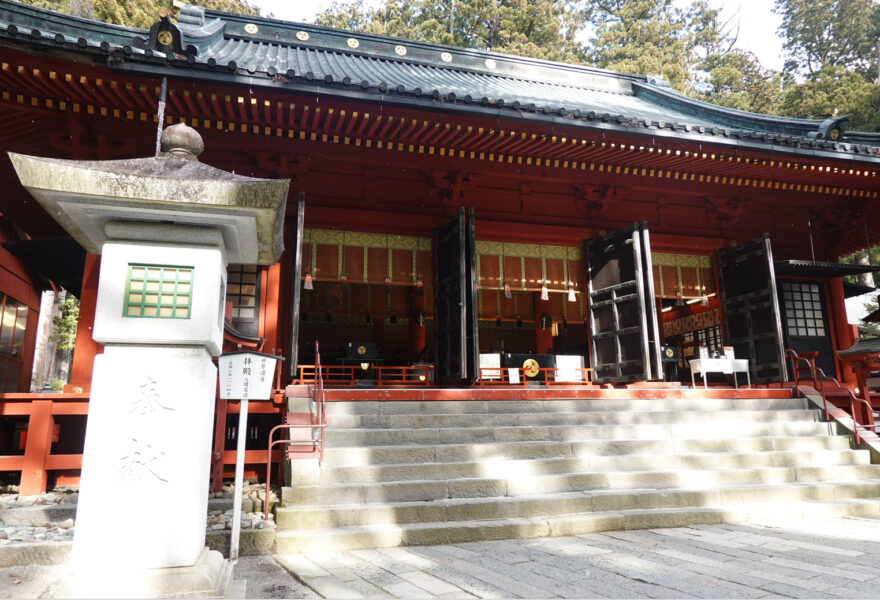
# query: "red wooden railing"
37, 460
381, 376
859, 409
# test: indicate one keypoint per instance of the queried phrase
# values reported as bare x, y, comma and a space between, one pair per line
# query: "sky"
757, 23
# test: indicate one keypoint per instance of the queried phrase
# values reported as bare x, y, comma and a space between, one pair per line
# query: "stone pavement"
834, 558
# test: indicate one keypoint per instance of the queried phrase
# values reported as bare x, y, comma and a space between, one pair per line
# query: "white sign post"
244, 375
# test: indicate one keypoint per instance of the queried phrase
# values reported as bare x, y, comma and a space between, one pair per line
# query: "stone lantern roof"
174, 188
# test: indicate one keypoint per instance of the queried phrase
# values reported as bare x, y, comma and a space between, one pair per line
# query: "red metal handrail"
818, 378
320, 423
810, 359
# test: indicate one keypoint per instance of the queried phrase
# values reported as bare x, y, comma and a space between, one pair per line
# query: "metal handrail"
810, 359
818, 377
320, 424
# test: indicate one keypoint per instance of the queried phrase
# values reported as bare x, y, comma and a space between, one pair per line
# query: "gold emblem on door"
531, 367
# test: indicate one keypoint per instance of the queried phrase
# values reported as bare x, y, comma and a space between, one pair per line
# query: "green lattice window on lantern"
158, 291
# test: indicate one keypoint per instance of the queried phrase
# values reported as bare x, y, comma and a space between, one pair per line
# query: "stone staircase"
418, 473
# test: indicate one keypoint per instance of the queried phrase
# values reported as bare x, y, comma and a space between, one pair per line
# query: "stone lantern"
165, 228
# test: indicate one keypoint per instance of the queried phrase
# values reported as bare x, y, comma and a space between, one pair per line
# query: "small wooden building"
460, 202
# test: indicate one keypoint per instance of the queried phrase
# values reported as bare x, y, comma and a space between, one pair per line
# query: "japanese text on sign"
246, 375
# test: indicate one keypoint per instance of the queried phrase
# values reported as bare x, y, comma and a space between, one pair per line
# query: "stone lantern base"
209, 577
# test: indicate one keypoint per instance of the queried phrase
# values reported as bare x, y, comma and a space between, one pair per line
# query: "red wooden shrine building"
458, 203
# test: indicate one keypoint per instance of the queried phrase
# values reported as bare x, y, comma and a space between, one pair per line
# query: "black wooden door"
455, 301
296, 288
750, 308
625, 339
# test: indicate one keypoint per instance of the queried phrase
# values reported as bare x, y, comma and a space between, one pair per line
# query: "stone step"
547, 406
451, 532
336, 437
546, 466
648, 417
559, 504
520, 485
410, 454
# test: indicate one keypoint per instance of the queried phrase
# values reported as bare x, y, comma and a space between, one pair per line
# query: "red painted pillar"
543, 337
86, 347
37, 448
417, 331
843, 336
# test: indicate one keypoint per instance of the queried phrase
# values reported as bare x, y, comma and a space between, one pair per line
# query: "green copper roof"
278, 54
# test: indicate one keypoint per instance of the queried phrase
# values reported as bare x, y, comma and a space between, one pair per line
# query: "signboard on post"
244, 375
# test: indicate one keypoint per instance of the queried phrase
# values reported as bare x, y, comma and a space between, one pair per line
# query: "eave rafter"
64, 87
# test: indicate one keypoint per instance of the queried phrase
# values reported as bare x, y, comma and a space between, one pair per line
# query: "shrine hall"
458, 220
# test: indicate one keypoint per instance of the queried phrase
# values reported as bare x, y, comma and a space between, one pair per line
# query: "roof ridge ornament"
166, 37
830, 129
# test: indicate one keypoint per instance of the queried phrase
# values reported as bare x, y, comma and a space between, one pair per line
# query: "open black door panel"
750, 308
623, 316
455, 301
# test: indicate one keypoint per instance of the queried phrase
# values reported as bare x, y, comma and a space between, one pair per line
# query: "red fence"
42, 430
38, 460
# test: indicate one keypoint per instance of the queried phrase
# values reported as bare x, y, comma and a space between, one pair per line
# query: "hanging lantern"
507, 293
518, 321
420, 286
420, 318
498, 319
704, 301
308, 282
343, 277
387, 284
571, 295
545, 294
679, 299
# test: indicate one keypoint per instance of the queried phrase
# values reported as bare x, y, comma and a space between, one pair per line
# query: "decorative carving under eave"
282, 166
593, 199
840, 222
452, 186
729, 209
840, 217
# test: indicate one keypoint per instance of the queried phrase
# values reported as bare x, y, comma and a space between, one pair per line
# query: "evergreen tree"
641, 36
537, 28
822, 34
134, 13
834, 91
